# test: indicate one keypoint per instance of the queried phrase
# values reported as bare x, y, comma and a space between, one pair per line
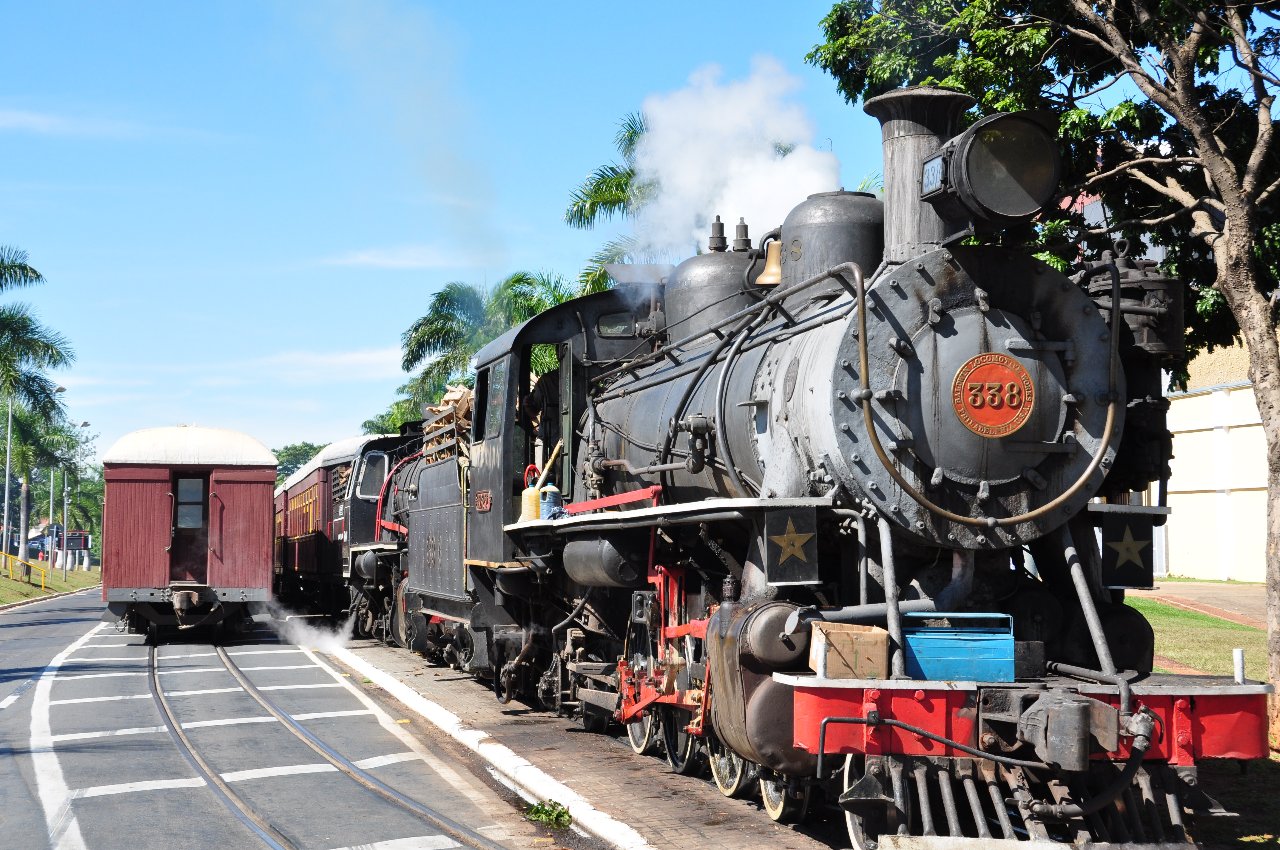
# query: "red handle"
531, 469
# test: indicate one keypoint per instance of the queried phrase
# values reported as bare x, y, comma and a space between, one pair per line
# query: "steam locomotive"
850, 509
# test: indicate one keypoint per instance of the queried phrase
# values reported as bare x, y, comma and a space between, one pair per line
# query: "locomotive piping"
1091, 617
865, 395
893, 611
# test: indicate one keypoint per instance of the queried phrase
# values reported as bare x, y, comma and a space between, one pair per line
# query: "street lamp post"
62, 555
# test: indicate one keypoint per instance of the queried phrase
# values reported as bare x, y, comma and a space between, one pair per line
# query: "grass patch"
17, 590
1203, 642
1176, 579
550, 813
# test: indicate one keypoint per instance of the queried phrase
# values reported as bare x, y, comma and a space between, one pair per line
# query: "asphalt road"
88, 763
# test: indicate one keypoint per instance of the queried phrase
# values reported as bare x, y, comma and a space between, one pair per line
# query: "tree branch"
1143, 222
1149, 160
1262, 142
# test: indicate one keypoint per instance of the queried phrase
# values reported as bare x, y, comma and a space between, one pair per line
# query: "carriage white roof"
334, 453
190, 445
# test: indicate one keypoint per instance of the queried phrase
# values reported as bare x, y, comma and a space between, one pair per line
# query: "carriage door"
189, 541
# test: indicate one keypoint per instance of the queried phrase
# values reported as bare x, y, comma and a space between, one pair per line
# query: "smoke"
309, 631
713, 148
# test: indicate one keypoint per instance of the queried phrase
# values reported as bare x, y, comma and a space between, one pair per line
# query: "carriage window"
375, 472
497, 396
190, 503
616, 325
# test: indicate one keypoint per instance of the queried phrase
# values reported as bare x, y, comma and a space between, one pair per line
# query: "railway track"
242, 807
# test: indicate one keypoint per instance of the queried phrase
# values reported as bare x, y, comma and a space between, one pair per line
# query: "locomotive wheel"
642, 734
682, 748
864, 830
732, 773
399, 622
779, 804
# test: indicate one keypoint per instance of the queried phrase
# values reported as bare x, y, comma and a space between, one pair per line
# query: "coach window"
480, 406
371, 478
190, 503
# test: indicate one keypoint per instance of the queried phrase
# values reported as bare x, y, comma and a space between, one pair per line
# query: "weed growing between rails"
311, 632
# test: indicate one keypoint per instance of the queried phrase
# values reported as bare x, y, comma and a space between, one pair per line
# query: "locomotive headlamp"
1000, 171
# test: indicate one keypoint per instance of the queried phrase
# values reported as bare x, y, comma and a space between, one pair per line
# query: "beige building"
1218, 490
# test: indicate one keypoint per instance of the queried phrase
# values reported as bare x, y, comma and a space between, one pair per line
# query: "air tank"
828, 229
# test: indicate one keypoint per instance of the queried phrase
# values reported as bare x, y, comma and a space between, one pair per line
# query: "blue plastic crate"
975, 647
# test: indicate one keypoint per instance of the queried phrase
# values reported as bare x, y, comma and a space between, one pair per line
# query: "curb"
527, 778
24, 603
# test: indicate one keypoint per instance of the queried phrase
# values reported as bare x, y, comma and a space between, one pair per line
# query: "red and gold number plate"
993, 395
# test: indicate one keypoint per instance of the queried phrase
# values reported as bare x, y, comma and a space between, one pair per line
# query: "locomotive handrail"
1108, 429
771, 300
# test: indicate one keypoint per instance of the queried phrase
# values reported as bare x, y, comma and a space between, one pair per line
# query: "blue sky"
240, 206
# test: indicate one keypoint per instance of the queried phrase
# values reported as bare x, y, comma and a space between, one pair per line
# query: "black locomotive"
876, 416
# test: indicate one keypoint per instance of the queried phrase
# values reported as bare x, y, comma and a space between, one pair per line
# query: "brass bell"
772, 274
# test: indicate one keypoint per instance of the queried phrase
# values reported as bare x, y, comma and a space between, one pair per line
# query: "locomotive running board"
690, 512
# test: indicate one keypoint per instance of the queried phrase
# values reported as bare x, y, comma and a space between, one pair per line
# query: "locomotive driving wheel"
780, 802
732, 773
682, 748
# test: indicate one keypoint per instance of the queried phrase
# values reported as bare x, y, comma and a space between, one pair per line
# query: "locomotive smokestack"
914, 124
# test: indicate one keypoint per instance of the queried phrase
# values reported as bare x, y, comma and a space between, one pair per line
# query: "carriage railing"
13, 564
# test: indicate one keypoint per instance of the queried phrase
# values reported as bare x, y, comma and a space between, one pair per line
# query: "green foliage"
389, 421
294, 456
550, 813
1046, 54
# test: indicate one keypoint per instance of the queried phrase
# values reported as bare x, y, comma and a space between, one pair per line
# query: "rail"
12, 563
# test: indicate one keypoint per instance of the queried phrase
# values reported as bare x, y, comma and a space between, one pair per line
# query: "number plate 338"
993, 395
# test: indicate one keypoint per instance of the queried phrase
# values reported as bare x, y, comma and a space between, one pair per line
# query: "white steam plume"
310, 632
712, 149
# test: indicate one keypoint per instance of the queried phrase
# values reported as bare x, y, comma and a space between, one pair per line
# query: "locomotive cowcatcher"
877, 416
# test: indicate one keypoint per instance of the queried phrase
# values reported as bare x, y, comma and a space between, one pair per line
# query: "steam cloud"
712, 149
308, 632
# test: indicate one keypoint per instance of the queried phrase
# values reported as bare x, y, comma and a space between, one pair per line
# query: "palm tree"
610, 190
39, 444
27, 348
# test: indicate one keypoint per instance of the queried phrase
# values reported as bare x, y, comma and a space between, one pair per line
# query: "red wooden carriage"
187, 527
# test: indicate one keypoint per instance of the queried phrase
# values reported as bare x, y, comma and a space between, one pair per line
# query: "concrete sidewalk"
1235, 602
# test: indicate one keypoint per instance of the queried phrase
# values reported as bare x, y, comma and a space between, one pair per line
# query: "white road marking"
134, 787
285, 667
320, 715
382, 761
519, 770
109, 733
286, 770
51, 785
230, 721
202, 692
441, 769
82, 700
118, 658
298, 687
261, 651
193, 670
17, 694
420, 842
188, 655
99, 676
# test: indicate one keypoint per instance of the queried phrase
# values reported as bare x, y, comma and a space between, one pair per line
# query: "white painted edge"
51, 785
383, 761
517, 769
22, 688
421, 842
135, 787
283, 770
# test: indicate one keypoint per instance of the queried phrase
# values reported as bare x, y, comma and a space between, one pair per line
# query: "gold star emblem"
1129, 550
792, 543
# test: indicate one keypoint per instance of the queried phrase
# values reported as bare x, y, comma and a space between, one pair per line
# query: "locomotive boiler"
877, 416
